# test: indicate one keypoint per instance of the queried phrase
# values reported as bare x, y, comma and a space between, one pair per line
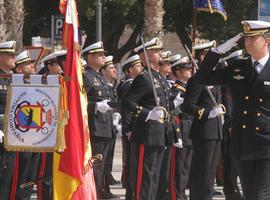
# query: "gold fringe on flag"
63, 116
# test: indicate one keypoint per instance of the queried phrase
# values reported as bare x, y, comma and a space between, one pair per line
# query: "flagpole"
194, 28
98, 21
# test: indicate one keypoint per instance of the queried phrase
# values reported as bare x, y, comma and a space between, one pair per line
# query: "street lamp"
98, 21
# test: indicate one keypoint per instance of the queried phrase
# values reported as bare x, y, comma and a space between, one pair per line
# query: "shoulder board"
239, 61
180, 87
126, 81
143, 72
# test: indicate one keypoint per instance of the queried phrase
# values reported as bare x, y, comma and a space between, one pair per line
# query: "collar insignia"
96, 82
237, 70
156, 83
238, 77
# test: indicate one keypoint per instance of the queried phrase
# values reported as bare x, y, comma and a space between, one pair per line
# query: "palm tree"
14, 19
2, 21
11, 21
153, 19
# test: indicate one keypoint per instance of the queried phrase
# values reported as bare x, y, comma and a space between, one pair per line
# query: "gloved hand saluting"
229, 44
178, 100
1, 136
155, 114
216, 111
103, 106
178, 144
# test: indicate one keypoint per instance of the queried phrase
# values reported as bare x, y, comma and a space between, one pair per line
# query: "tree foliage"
118, 14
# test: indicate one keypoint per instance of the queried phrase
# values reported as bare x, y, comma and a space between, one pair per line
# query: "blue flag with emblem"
210, 6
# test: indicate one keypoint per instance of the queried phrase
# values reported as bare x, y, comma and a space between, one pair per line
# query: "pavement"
117, 170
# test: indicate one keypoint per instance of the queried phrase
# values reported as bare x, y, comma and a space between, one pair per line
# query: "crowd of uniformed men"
177, 121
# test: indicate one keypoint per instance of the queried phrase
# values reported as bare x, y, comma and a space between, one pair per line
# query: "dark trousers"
126, 155
45, 185
109, 164
255, 179
27, 172
101, 146
230, 172
132, 171
164, 179
6, 171
203, 169
182, 170
149, 161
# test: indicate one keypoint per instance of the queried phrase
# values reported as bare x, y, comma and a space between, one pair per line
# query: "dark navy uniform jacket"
140, 100
185, 119
251, 98
126, 116
4, 83
198, 103
100, 124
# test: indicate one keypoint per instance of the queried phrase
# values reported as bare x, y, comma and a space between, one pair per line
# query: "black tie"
255, 67
256, 63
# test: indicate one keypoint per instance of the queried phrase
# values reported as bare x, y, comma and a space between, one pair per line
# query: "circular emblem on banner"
33, 117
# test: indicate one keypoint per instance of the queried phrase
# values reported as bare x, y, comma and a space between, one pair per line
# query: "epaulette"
238, 62
126, 81
180, 87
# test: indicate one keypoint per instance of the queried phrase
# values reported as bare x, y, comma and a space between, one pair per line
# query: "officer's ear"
267, 38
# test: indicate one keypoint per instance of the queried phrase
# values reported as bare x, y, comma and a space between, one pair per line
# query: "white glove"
178, 100
226, 46
1, 136
103, 106
116, 118
178, 144
128, 134
155, 114
118, 128
215, 112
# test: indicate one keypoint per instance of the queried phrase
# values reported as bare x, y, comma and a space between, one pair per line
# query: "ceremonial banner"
210, 6
264, 10
32, 111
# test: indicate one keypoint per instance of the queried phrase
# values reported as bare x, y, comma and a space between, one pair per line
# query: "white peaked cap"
205, 45
131, 61
60, 53
155, 43
175, 57
108, 60
23, 57
185, 62
94, 48
255, 27
8, 47
47, 58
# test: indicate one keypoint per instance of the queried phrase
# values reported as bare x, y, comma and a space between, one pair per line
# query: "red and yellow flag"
73, 177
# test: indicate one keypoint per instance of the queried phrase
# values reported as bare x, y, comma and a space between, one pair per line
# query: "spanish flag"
72, 174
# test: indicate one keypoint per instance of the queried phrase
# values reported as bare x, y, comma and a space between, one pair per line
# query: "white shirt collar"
263, 60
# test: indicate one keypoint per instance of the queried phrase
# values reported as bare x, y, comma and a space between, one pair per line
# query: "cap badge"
246, 27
